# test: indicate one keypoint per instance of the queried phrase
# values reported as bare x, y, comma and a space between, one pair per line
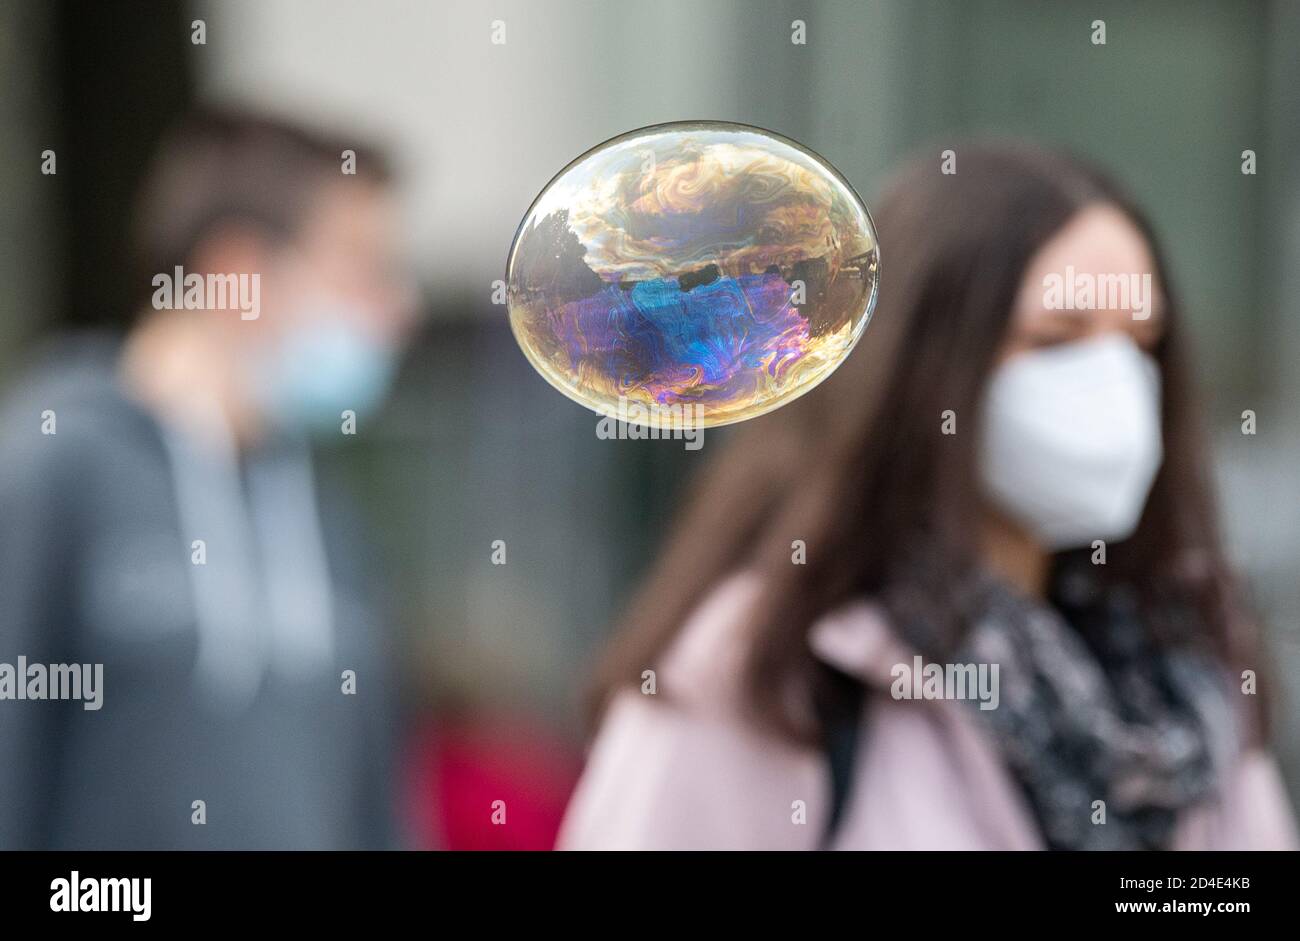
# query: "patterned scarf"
1090, 709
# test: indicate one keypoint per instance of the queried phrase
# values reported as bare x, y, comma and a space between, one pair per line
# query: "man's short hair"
221, 166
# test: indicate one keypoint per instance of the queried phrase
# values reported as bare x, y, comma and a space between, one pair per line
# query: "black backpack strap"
840, 712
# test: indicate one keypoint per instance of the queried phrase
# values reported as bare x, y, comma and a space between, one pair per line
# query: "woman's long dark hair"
886, 504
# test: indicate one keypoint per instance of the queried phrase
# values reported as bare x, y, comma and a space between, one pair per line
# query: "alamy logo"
1080, 290
84, 681
75, 894
640, 421
194, 291
920, 680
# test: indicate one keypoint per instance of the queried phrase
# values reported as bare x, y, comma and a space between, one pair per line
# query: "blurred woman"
969, 593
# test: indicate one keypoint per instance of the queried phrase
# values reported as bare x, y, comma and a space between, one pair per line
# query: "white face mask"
1071, 440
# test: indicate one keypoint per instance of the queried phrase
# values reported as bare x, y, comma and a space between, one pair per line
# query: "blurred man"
164, 539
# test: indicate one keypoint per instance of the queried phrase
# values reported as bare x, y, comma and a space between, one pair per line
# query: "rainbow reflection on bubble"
693, 263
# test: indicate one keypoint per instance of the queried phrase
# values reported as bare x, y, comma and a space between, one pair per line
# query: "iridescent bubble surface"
692, 263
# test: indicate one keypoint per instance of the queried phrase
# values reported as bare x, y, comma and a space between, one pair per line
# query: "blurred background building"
474, 446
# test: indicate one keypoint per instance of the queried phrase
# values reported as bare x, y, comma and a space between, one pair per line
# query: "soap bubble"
692, 264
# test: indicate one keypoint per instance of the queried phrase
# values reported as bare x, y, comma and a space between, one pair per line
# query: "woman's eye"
1148, 337
1039, 340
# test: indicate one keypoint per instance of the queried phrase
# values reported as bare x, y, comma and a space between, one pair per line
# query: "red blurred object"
460, 765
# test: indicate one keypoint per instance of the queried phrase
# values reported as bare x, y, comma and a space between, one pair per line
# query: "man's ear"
233, 262
231, 248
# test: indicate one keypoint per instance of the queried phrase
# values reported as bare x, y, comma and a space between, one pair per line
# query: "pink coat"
683, 770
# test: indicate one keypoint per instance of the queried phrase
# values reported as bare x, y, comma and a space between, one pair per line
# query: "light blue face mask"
321, 369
